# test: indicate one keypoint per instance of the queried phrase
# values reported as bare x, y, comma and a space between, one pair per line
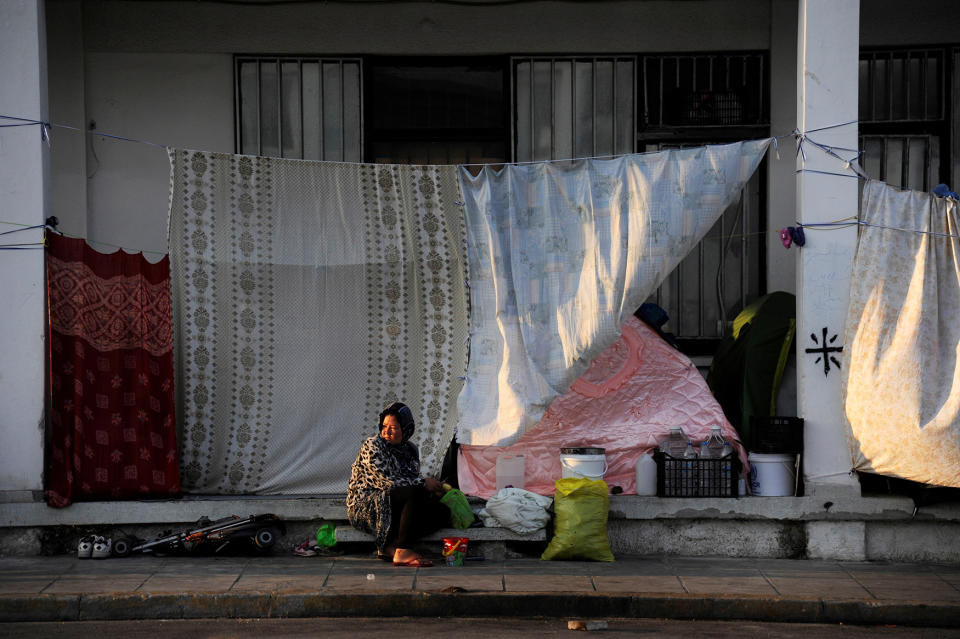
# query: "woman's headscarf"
403, 414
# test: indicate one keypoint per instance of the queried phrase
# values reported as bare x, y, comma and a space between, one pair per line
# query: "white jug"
646, 475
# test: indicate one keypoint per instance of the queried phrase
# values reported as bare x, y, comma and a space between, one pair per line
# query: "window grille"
901, 86
567, 107
692, 99
903, 116
300, 107
720, 276
721, 89
903, 161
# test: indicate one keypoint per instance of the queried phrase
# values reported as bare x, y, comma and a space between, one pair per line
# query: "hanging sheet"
112, 433
625, 402
900, 370
561, 253
307, 297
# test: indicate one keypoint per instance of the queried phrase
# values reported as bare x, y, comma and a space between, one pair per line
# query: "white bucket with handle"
585, 462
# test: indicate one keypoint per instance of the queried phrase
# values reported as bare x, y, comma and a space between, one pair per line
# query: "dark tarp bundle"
749, 363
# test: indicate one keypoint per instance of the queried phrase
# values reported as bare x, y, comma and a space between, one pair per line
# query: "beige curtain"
900, 368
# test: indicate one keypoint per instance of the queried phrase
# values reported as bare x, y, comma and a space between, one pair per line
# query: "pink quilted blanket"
625, 402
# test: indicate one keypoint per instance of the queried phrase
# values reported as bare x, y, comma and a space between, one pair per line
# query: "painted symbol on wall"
824, 349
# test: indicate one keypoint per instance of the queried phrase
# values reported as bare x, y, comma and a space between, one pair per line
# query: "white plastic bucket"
588, 463
510, 471
646, 475
772, 475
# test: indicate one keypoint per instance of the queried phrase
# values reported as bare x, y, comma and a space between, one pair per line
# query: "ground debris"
578, 624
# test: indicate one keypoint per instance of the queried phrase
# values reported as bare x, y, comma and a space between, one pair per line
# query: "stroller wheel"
123, 546
265, 538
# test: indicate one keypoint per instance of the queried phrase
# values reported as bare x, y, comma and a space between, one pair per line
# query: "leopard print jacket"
378, 468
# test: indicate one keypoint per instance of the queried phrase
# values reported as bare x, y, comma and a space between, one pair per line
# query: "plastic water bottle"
688, 472
676, 443
713, 446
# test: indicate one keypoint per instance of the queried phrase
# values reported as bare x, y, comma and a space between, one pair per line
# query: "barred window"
904, 124
568, 107
300, 107
710, 98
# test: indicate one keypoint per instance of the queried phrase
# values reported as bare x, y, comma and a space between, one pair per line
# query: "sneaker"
84, 547
306, 549
101, 548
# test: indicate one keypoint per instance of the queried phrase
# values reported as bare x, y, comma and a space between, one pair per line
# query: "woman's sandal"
416, 562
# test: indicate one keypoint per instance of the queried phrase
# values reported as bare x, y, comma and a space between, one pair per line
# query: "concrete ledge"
474, 604
333, 508
351, 534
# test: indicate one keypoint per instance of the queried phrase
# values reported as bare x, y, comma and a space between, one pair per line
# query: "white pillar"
827, 85
23, 179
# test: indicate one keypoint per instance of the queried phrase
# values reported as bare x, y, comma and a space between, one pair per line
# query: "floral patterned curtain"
112, 433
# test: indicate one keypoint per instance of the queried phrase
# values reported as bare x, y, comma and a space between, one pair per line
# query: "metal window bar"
890, 79
350, 142
905, 161
731, 84
528, 122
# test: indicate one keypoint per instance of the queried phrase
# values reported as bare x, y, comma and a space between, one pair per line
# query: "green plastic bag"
580, 527
327, 536
461, 515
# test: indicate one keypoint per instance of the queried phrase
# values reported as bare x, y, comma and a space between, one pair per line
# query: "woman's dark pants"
414, 513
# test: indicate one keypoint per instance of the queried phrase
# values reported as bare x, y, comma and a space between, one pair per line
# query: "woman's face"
391, 431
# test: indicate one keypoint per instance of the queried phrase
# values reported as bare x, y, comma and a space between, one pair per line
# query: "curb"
125, 606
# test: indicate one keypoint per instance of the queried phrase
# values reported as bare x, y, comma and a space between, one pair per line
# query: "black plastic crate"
776, 435
678, 477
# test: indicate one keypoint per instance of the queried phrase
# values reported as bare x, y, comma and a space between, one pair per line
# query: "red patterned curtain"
112, 433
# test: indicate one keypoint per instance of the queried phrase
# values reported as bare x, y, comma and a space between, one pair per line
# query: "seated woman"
388, 498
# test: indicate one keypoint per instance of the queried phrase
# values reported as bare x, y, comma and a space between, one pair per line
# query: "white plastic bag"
517, 509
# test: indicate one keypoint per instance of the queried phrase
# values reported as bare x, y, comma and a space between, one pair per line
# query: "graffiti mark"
824, 350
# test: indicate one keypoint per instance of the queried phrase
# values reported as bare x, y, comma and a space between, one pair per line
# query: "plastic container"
772, 475
510, 471
685, 477
712, 447
776, 435
675, 443
646, 472
454, 550
588, 463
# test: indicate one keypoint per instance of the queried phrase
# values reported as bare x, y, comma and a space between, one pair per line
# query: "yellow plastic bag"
580, 528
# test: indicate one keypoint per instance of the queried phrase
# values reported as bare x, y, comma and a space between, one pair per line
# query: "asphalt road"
331, 628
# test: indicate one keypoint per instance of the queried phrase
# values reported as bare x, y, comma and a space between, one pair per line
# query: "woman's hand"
433, 486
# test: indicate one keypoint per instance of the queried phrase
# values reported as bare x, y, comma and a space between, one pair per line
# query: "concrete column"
23, 179
782, 194
827, 82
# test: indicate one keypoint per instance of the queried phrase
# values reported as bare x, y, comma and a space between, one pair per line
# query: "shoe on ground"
101, 548
306, 549
85, 547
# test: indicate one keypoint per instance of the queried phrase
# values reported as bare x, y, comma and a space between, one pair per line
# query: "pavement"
64, 588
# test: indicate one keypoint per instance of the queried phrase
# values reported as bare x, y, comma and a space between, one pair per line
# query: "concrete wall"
428, 28
175, 99
24, 170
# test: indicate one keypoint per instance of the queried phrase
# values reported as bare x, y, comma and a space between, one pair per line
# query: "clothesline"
802, 138
799, 135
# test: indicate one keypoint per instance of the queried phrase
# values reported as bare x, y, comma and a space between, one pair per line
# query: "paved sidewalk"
146, 587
